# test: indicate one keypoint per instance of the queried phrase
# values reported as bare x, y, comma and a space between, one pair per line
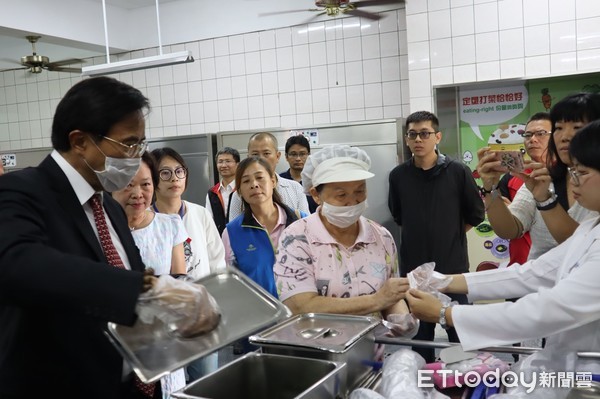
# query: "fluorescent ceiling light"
138, 63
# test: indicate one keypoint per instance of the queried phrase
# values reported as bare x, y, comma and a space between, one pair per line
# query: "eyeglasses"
538, 134
225, 162
424, 135
297, 154
131, 150
166, 174
575, 175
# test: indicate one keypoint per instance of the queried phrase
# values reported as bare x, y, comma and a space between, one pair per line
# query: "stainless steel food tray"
245, 309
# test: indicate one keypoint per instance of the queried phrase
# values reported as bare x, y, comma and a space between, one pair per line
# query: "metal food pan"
245, 307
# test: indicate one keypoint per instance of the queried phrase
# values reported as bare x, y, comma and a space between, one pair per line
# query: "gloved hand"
186, 308
404, 325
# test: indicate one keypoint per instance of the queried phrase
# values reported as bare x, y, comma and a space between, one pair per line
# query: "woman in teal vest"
251, 239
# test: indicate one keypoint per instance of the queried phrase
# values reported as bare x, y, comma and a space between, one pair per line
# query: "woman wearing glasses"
560, 291
545, 206
204, 252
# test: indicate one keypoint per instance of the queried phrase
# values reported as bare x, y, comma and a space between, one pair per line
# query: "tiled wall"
457, 41
350, 69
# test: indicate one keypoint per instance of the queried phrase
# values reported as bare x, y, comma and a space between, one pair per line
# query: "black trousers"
427, 332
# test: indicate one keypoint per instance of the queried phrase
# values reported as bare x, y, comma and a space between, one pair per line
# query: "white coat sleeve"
214, 244
574, 301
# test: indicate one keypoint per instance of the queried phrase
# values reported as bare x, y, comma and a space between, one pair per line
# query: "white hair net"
336, 163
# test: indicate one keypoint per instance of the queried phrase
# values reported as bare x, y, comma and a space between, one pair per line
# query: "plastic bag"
401, 325
399, 378
364, 393
425, 278
187, 309
481, 364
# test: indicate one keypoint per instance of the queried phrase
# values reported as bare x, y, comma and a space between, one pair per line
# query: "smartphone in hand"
511, 161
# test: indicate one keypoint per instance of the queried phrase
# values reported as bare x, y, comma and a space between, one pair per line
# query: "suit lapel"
67, 199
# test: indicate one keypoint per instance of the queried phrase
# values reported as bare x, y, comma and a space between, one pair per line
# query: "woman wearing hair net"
336, 260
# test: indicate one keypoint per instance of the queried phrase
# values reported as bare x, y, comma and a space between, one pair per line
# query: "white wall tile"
322, 118
254, 84
169, 116
414, 7
208, 69
372, 70
440, 53
289, 121
239, 86
283, 37
304, 119
236, 44
167, 95
465, 73
391, 92
237, 65
535, 12
221, 45
487, 47
355, 96
336, 75
286, 81
302, 79
333, 29
338, 116
488, 70
181, 93
299, 35
369, 27
206, 48
433, 5
417, 28
351, 27
563, 37
337, 99
271, 105
439, 24
209, 90
587, 8
373, 95
537, 66
287, 103
352, 49
390, 68
318, 77
537, 40
510, 14
195, 92
301, 56
463, 20
562, 63
240, 105
463, 49
370, 47
514, 68
418, 55
402, 42
317, 53
439, 77
354, 73
222, 67
388, 43
588, 60
224, 90
182, 113
268, 60
588, 33
304, 102
316, 32
255, 107
374, 113
421, 104
285, 58
266, 39
511, 43
252, 63
251, 42
561, 10
486, 17
211, 111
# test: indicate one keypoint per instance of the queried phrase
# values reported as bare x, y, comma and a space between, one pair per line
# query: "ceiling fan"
36, 63
334, 8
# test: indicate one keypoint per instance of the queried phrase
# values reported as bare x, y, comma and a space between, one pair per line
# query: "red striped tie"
113, 258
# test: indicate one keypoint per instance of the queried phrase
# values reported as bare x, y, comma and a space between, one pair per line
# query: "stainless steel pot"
338, 338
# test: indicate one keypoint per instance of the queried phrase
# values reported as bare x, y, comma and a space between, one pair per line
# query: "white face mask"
117, 173
343, 216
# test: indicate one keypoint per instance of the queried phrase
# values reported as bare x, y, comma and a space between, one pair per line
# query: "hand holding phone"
511, 161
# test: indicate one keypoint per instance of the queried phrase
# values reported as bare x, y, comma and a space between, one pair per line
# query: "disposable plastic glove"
404, 325
187, 309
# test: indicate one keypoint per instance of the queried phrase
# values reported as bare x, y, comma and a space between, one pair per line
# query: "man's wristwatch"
443, 317
548, 204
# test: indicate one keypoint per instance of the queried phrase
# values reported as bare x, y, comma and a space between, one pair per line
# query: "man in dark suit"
57, 288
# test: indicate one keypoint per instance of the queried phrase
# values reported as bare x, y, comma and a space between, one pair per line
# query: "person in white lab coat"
560, 291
